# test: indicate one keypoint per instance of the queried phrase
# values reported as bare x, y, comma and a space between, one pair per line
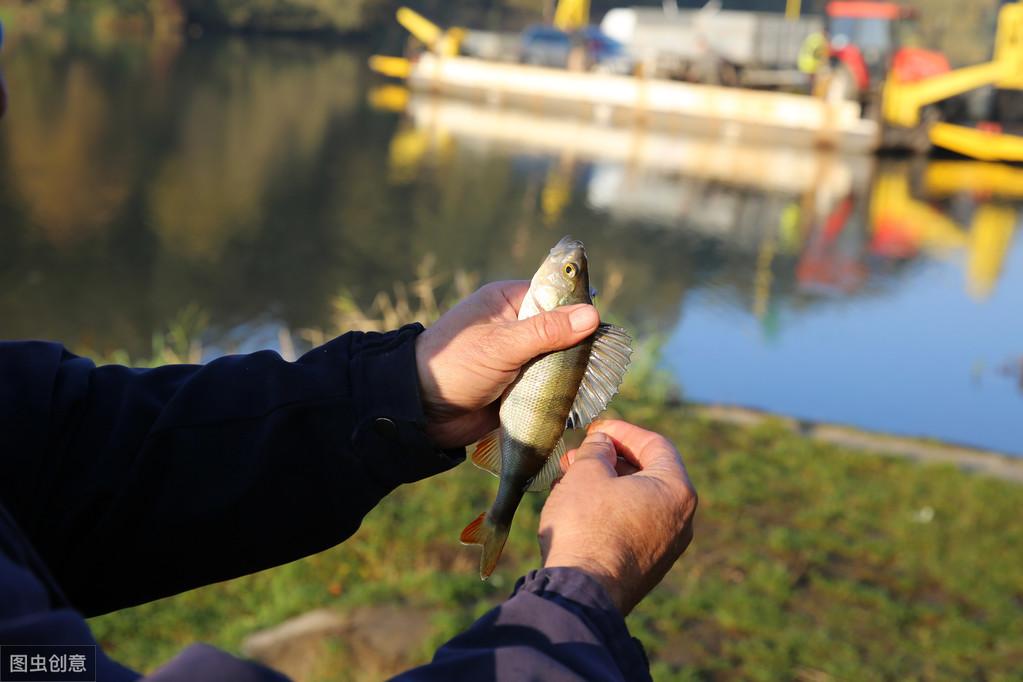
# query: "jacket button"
385, 428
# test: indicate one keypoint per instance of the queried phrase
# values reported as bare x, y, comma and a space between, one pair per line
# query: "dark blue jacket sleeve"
559, 625
203, 473
34, 612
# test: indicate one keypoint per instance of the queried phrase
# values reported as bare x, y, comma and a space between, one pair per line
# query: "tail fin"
484, 532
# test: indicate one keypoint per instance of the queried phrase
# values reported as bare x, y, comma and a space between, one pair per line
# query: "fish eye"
570, 269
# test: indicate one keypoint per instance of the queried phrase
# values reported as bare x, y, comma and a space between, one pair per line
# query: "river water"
257, 180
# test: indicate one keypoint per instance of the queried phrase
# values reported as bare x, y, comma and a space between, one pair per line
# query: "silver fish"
559, 390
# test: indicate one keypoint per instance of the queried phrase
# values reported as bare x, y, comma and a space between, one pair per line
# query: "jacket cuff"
389, 435
589, 601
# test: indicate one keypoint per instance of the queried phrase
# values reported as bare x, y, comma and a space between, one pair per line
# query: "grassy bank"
810, 562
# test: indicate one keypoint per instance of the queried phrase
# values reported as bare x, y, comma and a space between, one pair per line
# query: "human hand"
623, 521
476, 349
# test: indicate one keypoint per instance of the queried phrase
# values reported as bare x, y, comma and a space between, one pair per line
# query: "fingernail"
583, 318
598, 437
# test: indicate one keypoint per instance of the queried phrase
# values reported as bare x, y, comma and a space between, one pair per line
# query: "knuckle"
692, 499
685, 494
600, 452
661, 442
547, 328
687, 509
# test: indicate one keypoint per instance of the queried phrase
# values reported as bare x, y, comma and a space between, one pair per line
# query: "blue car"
550, 46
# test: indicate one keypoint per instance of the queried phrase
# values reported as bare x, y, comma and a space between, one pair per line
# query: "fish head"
563, 277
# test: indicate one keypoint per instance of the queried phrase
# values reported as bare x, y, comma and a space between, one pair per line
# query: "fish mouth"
567, 243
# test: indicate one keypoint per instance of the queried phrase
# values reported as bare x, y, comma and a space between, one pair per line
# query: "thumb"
548, 331
595, 457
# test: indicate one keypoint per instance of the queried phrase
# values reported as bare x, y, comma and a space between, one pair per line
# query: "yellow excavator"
903, 103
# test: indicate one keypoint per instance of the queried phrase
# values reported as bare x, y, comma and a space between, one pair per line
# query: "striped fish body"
556, 390
533, 415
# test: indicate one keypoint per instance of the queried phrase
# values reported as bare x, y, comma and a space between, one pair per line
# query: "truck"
710, 45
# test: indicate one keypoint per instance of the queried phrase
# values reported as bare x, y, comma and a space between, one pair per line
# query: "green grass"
810, 562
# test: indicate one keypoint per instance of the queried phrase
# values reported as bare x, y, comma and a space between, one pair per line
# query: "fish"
556, 391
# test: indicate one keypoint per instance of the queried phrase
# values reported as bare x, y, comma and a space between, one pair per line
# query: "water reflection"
258, 179
877, 293
263, 117
72, 177
830, 213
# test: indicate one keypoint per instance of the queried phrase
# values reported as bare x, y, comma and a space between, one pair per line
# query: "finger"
595, 458
505, 298
493, 302
644, 449
567, 459
556, 329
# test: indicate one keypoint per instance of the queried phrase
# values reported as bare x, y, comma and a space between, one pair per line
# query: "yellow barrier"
978, 144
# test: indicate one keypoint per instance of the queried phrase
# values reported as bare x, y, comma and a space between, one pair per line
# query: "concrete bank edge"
973, 460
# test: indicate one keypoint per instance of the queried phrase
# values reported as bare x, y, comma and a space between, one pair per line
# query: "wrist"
427, 389
445, 422
427, 384
604, 577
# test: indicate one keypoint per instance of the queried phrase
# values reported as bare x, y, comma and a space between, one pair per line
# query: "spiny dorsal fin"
609, 358
551, 470
487, 455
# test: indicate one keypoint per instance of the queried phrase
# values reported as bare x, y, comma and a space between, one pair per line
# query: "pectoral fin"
609, 358
487, 455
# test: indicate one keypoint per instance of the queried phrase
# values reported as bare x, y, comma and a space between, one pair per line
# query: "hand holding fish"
570, 369
622, 513
475, 350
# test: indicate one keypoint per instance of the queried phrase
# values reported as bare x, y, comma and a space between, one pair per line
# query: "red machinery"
873, 41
